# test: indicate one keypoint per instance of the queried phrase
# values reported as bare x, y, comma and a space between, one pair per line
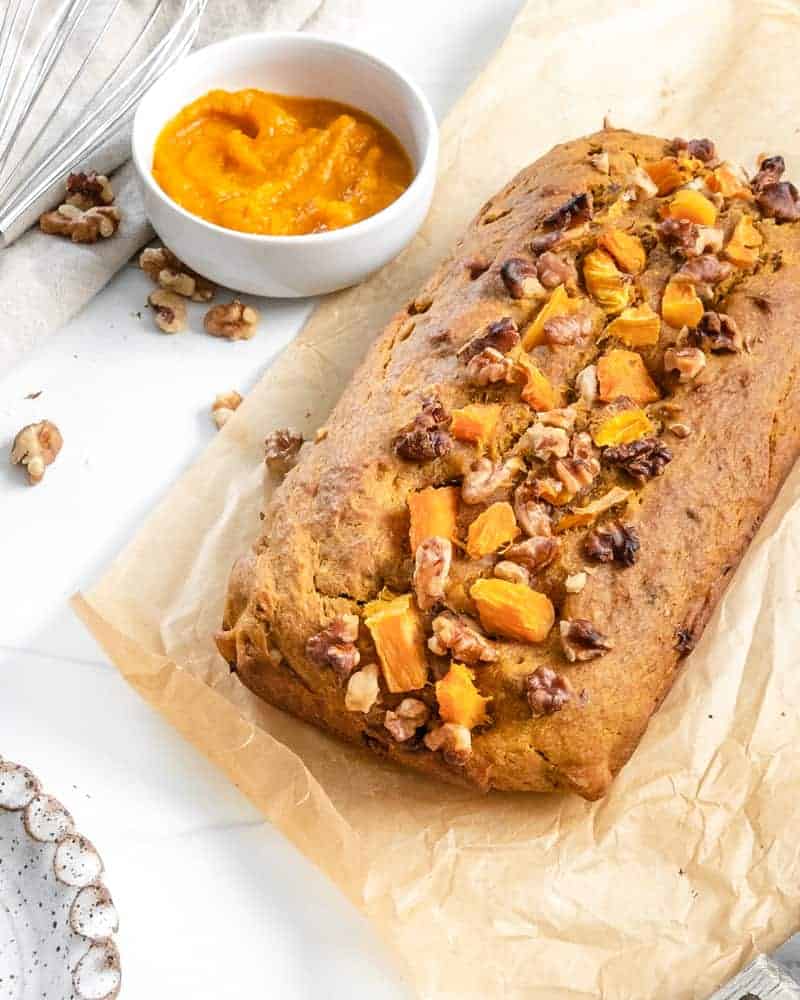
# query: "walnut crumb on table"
35, 447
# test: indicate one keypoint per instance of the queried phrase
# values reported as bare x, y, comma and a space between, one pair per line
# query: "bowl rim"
427, 163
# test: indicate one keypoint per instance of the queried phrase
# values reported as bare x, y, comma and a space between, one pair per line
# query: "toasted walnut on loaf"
532, 494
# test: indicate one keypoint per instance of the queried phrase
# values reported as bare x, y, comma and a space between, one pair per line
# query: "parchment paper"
692, 862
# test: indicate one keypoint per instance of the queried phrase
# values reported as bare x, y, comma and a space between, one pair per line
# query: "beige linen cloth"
45, 281
691, 863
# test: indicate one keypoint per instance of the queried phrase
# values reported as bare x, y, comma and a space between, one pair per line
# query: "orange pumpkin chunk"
669, 173
475, 422
627, 251
623, 428
585, 515
433, 513
513, 610
559, 304
691, 205
637, 326
623, 373
681, 305
397, 631
492, 528
605, 281
537, 391
459, 700
726, 182
742, 249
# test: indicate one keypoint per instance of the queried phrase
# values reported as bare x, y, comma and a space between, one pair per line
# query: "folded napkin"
45, 280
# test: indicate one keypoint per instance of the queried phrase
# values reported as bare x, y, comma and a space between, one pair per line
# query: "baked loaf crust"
649, 297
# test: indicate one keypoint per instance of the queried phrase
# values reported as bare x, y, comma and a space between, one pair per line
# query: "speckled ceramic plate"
57, 918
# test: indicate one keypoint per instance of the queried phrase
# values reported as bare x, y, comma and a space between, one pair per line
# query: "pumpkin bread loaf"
535, 488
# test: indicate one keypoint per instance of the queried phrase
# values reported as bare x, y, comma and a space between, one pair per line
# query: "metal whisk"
71, 75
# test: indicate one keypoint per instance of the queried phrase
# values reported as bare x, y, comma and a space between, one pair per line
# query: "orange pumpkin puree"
276, 165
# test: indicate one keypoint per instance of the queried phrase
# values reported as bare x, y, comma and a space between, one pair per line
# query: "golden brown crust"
336, 531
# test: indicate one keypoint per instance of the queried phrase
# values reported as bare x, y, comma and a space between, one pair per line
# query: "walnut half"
35, 447
162, 266
231, 320
81, 225
169, 310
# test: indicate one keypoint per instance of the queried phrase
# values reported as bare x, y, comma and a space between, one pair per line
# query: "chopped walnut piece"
335, 647
501, 336
679, 428
223, 406
82, 226
88, 190
169, 310
575, 582
704, 270
460, 637
770, 171
431, 570
563, 331
578, 472
580, 640
35, 447
162, 266
720, 332
710, 239
512, 572
547, 692
542, 442
600, 161
532, 515
281, 450
485, 477
453, 740
426, 437
407, 718
613, 542
363, 689
534, 553
578, 209
679, 234
490, 367
640, 180
688, 362
780, 202
642, 459
564, 418
231, 320
546, 241
701, 149
554, 270
520, 278
586, 384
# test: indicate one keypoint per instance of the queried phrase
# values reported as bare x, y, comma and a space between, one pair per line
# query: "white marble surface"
213, 902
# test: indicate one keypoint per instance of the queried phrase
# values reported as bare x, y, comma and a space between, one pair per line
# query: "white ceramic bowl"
305, 66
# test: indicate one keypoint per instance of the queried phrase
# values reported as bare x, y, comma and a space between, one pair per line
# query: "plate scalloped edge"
77, 870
